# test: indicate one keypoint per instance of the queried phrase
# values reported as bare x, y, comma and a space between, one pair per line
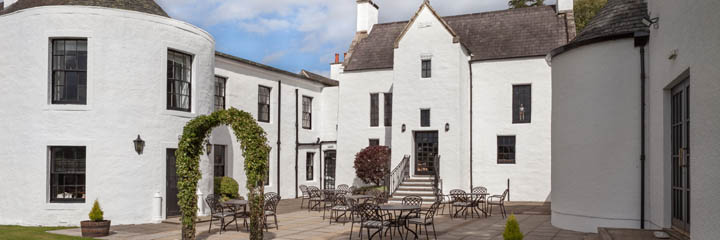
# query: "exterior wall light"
651, 22
208, 147
447, 127
403, 128
139, 145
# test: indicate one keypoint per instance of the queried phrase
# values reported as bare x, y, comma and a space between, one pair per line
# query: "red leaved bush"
372, 164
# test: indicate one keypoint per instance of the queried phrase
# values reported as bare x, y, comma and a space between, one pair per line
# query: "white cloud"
264, 25
273, 57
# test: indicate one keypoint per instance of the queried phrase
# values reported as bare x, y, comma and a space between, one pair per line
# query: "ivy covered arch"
253, 143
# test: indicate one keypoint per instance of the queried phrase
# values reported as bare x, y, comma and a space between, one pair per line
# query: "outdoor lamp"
208, 147
447, 127
648, 22
139, 145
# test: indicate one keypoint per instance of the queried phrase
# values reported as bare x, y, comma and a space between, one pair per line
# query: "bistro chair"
460, 202
305, 195
371, 219
413, 201
271, 210
315, 197
498, 200
217, 212
343, 187
354, 215
269, 195
426, 220
444, 200
341, 205
482, 200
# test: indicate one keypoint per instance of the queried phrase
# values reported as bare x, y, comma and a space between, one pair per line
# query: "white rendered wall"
242, 93
493, 83
445, 94
690, 29
596, 137
126, 96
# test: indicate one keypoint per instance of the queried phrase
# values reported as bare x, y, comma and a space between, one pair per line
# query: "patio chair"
426, 220
379, 197
354, 216
498, 200
371, 219
413, 201
315, 197
217, 212
305, 195
459, 198
341, 205
328, 201
271, 210
343, 187
269, 195
444, 200
480, 189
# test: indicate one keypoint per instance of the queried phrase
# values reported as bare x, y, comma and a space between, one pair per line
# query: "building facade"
634, 123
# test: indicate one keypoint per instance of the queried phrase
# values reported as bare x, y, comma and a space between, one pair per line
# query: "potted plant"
512, 229
96, 226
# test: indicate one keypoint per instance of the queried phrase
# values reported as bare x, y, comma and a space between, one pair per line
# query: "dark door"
330, 157
426, 149
680, 143
171, 189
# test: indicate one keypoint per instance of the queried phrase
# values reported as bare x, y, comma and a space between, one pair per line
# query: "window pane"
388, 109
521, 104
67, 174
69, 78
506, 149
179, 72
309, 166
263, 104
425, 117
307, 112
374, 110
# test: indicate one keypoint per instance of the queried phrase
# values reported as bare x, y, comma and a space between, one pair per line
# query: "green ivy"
253, 143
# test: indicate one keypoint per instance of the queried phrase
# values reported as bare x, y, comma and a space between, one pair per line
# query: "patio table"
234, 205
396, 213
475, 199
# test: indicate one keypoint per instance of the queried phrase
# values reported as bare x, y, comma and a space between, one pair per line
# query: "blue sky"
298, 34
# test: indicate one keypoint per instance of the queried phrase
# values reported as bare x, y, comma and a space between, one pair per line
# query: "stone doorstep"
634, 234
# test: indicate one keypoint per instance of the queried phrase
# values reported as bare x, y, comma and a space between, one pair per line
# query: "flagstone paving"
296, 223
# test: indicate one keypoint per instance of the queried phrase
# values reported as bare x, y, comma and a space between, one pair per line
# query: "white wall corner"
564, 5
367, 15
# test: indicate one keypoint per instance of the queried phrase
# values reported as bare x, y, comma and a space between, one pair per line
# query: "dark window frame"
78, 175
219, 152
425, 120
522, 100
220, 92
310, 166
264, 107
374, 110
506, 149
373, 142
173, 96
426, 68
388, 109
77, 68
307, 112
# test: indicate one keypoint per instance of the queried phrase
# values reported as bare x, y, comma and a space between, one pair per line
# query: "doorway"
330, 160
680, 143
171, 190
426, 150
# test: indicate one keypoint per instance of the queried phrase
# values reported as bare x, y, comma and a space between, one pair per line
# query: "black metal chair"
342, 204
315, 197
354, 215
343, 187
271, 210
413, 201
498, 200
444, 200
426, 220
371, 219
482, 199
217, 212
460, 202
329, 200
305, 195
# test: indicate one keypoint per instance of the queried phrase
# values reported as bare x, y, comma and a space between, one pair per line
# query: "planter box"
95, 229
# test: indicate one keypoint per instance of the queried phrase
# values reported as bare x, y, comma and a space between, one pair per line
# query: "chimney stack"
337, 58
367, 15
564, 6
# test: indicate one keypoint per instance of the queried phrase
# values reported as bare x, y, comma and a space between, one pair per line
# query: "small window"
307, 112
67, 174
69, 71
425, 117
179, 79
374, 110
263, 104
521, 103
219, 153
426, 68
506, 149
310, 166
220, 93
374, 142
388, 109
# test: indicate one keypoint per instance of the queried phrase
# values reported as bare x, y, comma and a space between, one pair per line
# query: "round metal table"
234, 205
394, 209
475, 199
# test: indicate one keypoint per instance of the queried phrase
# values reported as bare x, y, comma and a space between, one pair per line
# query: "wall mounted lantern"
208, 147
447, 127
403, 128
651, 22
139, 145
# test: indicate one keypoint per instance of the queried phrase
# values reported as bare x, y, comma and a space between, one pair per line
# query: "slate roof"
617, 19
310, 76
512, 33
146, 6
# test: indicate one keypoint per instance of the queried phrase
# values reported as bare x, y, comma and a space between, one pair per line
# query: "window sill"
67, 107
65, 206
177, 113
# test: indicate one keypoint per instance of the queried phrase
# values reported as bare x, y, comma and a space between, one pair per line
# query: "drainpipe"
297, 141
322, 174
641, 39
278, 134
471, 122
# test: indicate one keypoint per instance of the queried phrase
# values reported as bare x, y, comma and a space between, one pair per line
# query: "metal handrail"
398, 175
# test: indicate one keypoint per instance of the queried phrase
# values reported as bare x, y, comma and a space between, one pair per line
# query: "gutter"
279, 133
297, 134
641, 40
471, 122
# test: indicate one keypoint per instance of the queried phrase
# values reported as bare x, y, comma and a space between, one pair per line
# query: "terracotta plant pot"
95, 229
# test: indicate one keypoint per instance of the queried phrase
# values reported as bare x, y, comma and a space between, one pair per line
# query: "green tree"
525, 3
96, 214
585, 10
512, 229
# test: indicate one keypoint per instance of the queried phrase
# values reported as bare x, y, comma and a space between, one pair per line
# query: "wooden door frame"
681, 225
414, 150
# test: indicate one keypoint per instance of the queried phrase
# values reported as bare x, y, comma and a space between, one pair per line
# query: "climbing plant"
253, 143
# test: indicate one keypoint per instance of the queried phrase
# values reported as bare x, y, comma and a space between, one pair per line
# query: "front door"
171, 189
330, 157
680, 143
426, 149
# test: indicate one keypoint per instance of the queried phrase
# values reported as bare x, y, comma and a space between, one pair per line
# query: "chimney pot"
337, 58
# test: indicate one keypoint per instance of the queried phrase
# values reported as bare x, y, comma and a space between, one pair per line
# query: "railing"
436, 171
398, 174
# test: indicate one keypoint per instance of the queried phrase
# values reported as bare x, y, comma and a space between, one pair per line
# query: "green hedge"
226, 187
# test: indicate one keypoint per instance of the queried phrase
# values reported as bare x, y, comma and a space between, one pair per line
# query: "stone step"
415, 192
423, 177
421, 194
414, 188
426, 199
417, 180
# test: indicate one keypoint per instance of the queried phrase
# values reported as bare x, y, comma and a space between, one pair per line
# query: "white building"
474, 89
635, 120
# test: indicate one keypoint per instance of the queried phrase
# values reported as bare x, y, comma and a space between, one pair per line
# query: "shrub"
226, 187
512, 229
372, 164
96, 214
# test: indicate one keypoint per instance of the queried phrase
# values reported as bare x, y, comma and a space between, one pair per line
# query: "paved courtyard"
296, 223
